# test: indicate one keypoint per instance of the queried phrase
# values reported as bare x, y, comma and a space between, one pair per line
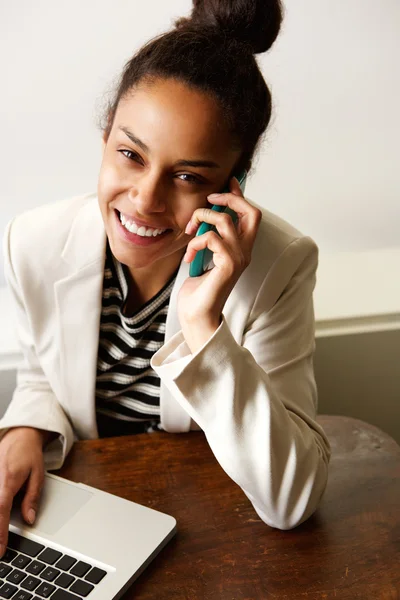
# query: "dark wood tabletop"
349, 549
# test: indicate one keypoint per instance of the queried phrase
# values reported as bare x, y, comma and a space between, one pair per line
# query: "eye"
134, 156
189, 178
192, 179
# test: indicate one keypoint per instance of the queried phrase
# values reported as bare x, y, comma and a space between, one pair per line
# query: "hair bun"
254, 22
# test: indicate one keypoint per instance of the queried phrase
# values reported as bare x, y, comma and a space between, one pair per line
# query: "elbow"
289, 519
295, 505
284, 522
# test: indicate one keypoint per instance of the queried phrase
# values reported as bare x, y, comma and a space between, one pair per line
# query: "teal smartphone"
203, 257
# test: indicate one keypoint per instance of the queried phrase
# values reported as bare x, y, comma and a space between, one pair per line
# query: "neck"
145, 282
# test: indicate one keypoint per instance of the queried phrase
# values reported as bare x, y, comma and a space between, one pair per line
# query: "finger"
222, 257
234, 188
208, 240
33, 492
6, 499
238, 203
207, 215
222, 221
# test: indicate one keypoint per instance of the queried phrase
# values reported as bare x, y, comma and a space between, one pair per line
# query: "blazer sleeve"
256, 401
34, 403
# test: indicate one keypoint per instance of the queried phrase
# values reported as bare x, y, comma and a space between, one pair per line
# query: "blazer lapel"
173, 417
78, 302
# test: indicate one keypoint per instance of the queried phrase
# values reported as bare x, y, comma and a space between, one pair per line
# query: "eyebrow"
181, 163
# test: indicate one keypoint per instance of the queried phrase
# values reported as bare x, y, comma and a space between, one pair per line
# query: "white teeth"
142, 231
131, 226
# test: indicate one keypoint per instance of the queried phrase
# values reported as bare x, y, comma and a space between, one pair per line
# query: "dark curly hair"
213, 51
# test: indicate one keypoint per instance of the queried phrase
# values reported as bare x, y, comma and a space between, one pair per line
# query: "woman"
117, 338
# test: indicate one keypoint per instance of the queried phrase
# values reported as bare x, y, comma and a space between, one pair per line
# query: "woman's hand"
202, 299
21, 461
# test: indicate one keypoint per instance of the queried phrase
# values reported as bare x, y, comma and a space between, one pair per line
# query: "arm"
256, 402
34, 403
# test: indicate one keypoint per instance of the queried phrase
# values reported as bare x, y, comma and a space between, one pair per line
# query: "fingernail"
213, 195
187, 227
31, 516
2, 550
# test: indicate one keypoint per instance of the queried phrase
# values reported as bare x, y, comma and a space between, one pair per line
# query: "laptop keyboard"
29, 570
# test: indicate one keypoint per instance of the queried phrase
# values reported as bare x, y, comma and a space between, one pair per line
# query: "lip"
138, 240
140, 222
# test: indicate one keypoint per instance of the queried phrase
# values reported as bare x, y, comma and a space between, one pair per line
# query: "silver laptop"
85, 543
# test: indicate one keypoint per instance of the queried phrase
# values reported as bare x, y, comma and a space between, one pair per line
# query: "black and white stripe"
127, 388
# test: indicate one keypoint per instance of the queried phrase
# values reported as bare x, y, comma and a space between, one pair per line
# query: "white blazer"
250, 388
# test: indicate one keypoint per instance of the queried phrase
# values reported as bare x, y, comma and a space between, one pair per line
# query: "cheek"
186, 210
109, 181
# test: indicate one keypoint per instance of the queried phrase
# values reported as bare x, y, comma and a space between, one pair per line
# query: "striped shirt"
127, 388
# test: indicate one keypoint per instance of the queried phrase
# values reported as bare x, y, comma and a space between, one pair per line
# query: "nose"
148, 194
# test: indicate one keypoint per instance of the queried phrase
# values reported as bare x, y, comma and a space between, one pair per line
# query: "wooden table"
349, 549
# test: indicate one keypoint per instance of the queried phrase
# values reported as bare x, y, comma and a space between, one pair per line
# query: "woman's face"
167, 150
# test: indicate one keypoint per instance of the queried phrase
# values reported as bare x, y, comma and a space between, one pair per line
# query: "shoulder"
49, 222
40, 234
36, 242
277, 240
280, 253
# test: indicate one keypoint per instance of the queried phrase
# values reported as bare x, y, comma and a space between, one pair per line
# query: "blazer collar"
87, 237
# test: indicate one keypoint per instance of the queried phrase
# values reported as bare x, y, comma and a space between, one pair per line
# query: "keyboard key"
16, 576
4, 570
80, 569
21, 561
30, 583
95, 575
45, 589
49, 556
64, 580
65, 563
7, 590
64, 595
22, 595
17, 542
9, 555
81, 587
50, 573
35, 567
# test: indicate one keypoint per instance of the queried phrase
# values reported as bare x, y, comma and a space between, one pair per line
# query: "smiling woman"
117, 338
156, 185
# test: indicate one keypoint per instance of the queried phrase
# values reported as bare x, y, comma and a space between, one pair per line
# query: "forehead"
168, 113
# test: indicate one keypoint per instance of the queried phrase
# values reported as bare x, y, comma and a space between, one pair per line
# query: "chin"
132, 258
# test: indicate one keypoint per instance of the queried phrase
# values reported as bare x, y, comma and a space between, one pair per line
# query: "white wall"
330, 163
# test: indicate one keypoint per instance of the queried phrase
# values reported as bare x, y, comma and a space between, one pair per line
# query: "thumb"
33, 492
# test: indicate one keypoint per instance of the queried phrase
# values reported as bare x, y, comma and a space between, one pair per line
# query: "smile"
140, 230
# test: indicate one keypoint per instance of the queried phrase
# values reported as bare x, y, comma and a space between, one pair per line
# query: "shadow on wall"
358, 375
